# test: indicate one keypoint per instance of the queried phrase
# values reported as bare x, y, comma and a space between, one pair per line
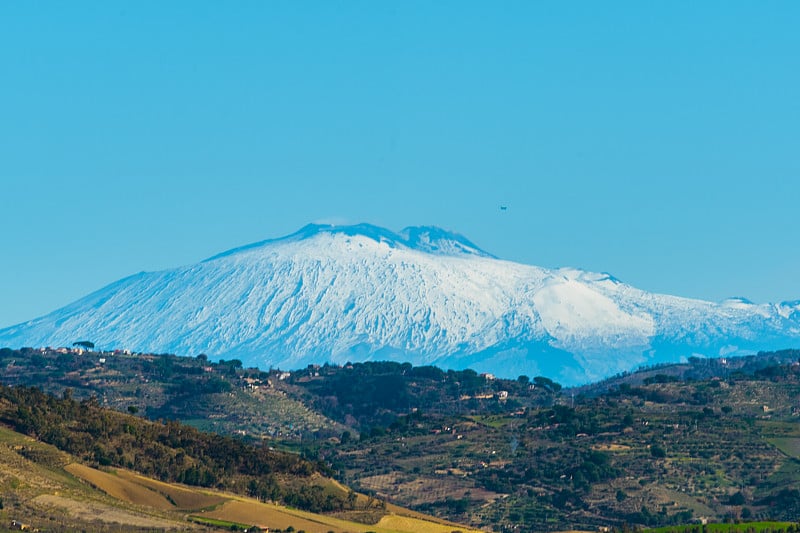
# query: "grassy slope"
755, 527
41, 492
249, 511
51, 491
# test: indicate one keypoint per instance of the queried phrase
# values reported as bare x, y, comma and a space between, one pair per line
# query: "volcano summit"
423, 295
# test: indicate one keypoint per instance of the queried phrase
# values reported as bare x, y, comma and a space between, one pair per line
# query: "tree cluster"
169, 451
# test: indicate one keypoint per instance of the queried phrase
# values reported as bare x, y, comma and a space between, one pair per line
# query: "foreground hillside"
702, 440
363, 293
49, 489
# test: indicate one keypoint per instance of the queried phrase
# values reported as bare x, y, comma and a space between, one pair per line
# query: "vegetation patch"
493, 421
215, 522
742, 527
788, 445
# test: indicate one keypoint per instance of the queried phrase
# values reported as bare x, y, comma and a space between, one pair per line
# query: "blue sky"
658, 141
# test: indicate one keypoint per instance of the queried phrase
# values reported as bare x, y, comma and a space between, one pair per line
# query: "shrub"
657, 451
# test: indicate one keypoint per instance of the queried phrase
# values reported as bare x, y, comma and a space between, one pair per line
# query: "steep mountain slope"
339, 293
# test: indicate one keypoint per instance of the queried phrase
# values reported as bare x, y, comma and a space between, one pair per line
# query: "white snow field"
355, 293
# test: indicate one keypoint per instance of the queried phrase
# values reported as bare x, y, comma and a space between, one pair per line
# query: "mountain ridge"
414, 237
424, 295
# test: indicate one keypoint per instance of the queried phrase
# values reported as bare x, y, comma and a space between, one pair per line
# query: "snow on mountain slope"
424, 295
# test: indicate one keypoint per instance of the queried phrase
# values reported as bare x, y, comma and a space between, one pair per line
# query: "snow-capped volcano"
424, 295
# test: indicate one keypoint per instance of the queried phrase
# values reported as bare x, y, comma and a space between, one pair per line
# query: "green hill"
715, 440
708, 440
75, 481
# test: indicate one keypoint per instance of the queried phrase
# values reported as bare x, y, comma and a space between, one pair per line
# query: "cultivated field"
120, 488
52, 492
188, 499
273, 516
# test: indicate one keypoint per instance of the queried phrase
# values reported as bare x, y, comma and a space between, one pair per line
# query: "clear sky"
657, 141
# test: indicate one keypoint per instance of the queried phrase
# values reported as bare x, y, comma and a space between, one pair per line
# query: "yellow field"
267, 515
138, 490
393, 522
273, 516
54, 490
184, 498
119, 488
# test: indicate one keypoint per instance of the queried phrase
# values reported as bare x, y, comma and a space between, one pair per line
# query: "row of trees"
375, 393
